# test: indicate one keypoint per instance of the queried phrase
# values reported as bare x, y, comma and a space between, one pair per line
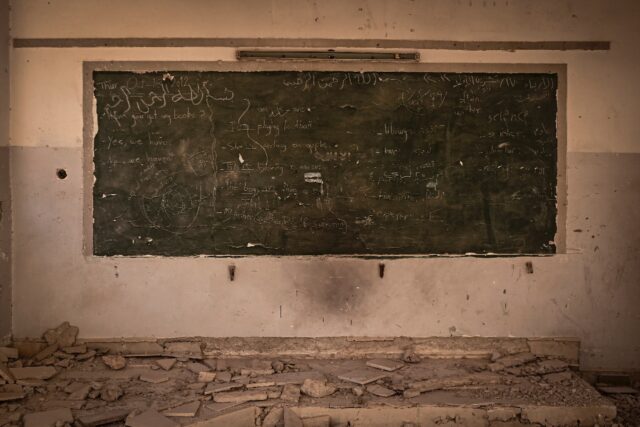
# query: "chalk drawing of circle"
175, 209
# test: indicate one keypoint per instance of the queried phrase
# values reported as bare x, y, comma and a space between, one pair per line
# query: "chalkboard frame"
90, 129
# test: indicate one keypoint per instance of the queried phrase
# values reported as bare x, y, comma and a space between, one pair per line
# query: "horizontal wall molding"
309, 43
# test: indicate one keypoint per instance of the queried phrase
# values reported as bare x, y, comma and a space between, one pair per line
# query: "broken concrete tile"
240, 396
186, 410
5, 374
48, 418
318, 421
619, 389
150, 418
9, 352
206, 377
183, 349
291, 419
251, 372
154, 377
166, 364
62, 355
224, 376
64, 335
196, 367
317, 388
101, 418
219, 407
6, 396
36, 372
378, 390
245, 417
362, 376
385, 364
80, 393
511, 361
46, 352
290, 393
76, 349
292, 377
261, 384
241, 379
85, 356
274, 417
115, 362
218, 388
111, 393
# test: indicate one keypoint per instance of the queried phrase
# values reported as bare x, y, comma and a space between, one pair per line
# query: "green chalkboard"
310, 163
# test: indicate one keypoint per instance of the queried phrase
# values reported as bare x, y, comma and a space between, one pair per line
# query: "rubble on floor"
61, 382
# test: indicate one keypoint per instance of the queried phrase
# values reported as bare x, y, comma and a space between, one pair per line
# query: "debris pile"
61, 382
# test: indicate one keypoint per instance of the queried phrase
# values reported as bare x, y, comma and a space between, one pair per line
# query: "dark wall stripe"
310, 43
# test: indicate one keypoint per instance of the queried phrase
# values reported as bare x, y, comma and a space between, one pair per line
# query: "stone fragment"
261, 384
224, 376
216, 407
511, 361
290, 393
318, 421
358, 391
362, 376
410, 356
317, 388
206, 377
378, 390
186, 410
154, 377
102, 418
211, 363
277, 366
385, 364
218, 388
34, 372
166, 364
253, 372
196, 367
76, 349
274, 417
111, 393
9, 352
6, 396
48, 418
150, 418
80, 393
240, 396
62, 355
64, 335
292, 377
5, 374
86, 356
46, 352
115, 362
188, 349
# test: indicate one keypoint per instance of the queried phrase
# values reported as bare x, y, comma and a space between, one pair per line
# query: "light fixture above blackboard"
326, 55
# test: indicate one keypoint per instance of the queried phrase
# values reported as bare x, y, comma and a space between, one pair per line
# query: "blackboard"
324, 162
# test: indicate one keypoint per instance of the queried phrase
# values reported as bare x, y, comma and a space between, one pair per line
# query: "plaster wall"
592, 291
